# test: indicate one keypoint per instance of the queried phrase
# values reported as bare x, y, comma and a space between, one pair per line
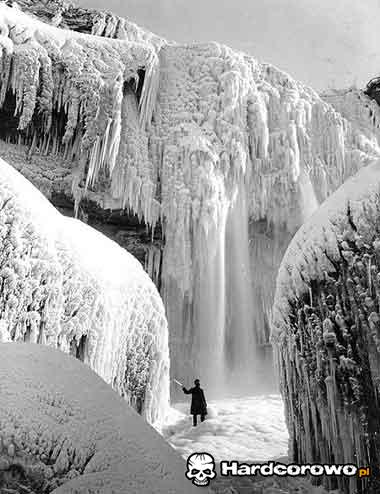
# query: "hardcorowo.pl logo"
201, 469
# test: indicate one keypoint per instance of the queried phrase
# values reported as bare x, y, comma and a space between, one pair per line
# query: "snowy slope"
65, 285
70, 433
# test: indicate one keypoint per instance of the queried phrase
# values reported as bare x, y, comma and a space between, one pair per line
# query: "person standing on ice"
198, 401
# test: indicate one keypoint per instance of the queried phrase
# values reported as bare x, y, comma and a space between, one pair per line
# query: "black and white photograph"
189, 247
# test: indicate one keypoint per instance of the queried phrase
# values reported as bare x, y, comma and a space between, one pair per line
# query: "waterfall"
210, 303
240, 348
308, 202
223, 325
219, 323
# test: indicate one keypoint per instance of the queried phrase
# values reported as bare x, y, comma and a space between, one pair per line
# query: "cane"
179, 384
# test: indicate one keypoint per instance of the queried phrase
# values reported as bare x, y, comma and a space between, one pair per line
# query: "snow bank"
244, 429
325, 329
63, 430
65, 285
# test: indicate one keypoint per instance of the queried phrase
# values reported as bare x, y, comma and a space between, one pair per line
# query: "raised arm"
187, 391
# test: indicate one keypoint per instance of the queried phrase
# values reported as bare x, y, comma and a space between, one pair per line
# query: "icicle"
149, 91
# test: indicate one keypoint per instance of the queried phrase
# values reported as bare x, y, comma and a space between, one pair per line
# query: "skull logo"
200, 469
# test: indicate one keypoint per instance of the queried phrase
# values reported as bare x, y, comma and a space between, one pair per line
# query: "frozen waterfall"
240, 348
227, 156
223, 335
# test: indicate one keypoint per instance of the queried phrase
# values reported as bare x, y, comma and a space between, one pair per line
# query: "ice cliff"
63, 430
225, 155
65, 285
326, 331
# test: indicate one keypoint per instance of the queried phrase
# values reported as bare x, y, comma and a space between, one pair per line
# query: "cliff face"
325, 329
218, 157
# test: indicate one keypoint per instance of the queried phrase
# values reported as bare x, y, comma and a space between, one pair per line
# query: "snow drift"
326, 327
65, 285
64, 430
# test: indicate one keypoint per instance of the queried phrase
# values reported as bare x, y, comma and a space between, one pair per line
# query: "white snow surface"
66, 285
245, 429
248, 429
306, 253
59, 419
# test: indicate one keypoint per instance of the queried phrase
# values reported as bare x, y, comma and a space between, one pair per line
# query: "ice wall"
202, 140
325, 329
65, 285
266, 146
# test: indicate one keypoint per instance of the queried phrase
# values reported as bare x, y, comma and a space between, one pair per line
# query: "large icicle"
325, 329
65, 285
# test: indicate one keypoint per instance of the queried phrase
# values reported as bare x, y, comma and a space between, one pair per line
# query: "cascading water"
240, 348
210, 303
223, 324
307, 198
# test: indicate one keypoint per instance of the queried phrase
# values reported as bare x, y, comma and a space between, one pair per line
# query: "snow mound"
64, 430
326, 328
65, 285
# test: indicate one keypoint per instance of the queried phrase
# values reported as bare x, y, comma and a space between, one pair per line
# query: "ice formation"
325, 329
63, 430
236, 141
65, 285
227, 155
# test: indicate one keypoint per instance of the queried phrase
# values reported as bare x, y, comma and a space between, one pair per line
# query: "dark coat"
198, 401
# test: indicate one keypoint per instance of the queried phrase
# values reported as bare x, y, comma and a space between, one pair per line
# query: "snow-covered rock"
63, 284
64, 430
326, 331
